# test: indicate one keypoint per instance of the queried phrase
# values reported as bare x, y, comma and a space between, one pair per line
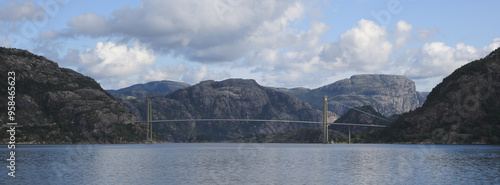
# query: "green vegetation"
126, 132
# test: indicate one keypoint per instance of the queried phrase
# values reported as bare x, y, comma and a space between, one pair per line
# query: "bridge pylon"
149, 118
325, 120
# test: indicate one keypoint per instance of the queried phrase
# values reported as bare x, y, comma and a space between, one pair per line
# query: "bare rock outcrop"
228, 99
463, 109
59, 105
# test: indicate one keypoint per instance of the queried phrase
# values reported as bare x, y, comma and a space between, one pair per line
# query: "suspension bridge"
149, 122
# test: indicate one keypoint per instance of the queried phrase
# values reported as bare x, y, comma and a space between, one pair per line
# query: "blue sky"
276, 42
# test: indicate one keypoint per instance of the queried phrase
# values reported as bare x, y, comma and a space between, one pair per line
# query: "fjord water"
233, 163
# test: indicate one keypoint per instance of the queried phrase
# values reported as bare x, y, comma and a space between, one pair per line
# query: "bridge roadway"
259, 120
325, 123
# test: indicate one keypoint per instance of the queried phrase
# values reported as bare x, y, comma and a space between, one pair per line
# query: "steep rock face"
228, 99
155, 88
58, 105
388, 94
464, 108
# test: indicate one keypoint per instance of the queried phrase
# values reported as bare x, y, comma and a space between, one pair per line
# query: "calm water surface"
253, 164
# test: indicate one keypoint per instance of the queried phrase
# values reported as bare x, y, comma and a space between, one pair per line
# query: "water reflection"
254, 164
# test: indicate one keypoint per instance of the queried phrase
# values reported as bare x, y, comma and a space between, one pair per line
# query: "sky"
279, 43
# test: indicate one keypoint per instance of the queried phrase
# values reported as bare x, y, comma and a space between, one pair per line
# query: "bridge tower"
149, 117
147, 122
325, 120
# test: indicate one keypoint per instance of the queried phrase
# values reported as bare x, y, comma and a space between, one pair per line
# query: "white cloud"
265, 38
171, 72
494, 45
402, 33
184, 73
195, 75
195, 29
110, 60
437, 59
364, 48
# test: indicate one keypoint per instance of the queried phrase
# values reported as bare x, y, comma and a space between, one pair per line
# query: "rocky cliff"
58, 105
463, 109
228, 99
388, 94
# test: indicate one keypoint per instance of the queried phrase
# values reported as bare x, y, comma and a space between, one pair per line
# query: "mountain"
360, 115
228, 99
58, 105
337, 133
363, 115
155, 88
463, 109
388, 94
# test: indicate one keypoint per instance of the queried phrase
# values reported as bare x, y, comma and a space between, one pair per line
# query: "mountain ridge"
227, 99
388, 94
59, 105
152, 88
463, 109
343, 94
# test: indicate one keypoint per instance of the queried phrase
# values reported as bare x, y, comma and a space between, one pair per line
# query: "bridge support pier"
325, 120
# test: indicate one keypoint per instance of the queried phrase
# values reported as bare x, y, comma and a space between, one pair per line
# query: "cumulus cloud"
171, 72
111, 60
437, 59
203, 31
402, 33
493, 45
299, 63
365, 48
257, 36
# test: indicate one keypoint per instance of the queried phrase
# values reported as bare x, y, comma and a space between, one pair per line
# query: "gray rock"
228, 99
388, 94
463, 109
58, 105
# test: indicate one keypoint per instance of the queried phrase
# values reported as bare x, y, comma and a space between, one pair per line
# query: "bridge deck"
259, 120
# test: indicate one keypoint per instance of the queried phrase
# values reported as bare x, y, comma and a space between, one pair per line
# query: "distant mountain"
338, 133
463, 109
422, 96
229, 99
59, 105
360, 115
363, 115
388, 94
155, 88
